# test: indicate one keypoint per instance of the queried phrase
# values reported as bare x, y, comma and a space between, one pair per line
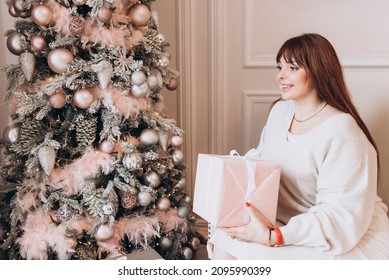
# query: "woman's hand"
257, 230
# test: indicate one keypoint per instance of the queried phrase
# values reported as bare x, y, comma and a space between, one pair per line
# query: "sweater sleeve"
346, 191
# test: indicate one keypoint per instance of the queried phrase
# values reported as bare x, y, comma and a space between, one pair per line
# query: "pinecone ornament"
46, 157
85, 131
31, 132
27, 61
104, 71
94, 200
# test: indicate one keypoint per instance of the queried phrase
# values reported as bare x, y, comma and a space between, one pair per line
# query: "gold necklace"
311, 116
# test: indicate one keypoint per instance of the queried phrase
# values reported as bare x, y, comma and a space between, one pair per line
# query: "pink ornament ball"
177, 140
58, 100
38, 42
41, 15
139, 15
83, 98
107, 147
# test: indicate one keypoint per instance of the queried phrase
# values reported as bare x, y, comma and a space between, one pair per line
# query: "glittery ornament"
176, 140
107, 147
153, 82
187, 253
163, 204
83, 98
173, 84
104, 15
27, 60
58, 99
77, 25
128, 199
139, 15
163, 138
104, 73
183, 212
11, 134
132, 162
138, 78
15, 44
181, 185
149, 137
187, 199
195, 243
152, 179
58, 60
177, 157
144, 198
46, 157
164, 61
166, 243
86, 250
104, 233
38, 42
42, 15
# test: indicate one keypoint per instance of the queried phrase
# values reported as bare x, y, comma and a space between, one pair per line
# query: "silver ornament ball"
11, 134
187, 253
163, 204
166, 243
183, 212
149, 137
15, 44
177, 157
144, 198
152, 179
181, 185
153, 82
58, 60
140, 91
138, 78
104, 233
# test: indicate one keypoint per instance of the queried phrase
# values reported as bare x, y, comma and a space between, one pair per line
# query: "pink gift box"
225, 183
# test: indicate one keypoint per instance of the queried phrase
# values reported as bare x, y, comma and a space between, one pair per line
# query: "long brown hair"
318, 57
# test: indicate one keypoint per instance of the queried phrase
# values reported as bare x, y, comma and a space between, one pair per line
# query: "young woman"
328, 206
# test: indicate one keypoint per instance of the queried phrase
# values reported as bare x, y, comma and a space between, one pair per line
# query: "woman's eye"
279, 68
293, 68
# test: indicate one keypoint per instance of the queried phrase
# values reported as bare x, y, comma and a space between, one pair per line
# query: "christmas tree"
91, 167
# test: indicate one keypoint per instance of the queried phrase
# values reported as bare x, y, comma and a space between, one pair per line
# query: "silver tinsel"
27, 61
46, 157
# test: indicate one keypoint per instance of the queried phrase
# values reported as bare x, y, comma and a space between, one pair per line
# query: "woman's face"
293, 81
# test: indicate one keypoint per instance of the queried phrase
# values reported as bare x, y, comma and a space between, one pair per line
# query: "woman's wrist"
276, 239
